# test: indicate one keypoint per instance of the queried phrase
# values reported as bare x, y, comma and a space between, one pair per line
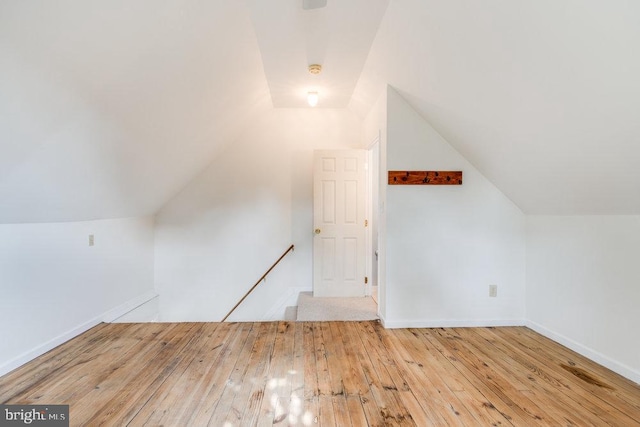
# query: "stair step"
322, 309
291, 313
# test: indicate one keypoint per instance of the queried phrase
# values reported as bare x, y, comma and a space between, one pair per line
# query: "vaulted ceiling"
337, 36
108, 108
542, 96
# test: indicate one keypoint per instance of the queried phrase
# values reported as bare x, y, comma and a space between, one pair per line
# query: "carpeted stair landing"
312, 308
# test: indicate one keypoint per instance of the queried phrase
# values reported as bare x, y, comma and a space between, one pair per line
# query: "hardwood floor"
321, 373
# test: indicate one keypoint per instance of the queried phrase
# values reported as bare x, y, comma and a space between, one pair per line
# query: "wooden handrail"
258, 282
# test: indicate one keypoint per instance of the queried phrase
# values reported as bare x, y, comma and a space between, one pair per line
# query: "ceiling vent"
313, 4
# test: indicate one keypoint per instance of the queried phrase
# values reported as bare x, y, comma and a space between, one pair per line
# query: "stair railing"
258, 282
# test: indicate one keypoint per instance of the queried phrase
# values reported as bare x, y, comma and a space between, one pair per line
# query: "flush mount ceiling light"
312, 98
315, 68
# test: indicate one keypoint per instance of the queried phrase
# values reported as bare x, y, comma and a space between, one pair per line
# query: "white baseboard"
450, 323
72, 333
587, 352
43, 348
132, 304
382, 319
289, 298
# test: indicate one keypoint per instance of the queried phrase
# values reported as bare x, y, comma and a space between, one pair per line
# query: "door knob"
317, 231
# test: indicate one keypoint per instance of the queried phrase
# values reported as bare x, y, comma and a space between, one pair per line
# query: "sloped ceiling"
337, 36
109, 108
542, 96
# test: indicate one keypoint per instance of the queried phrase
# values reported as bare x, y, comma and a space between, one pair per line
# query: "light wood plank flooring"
321, 374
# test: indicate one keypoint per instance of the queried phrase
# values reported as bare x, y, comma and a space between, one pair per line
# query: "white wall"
583, 286
224, 230
54, 285
446, 244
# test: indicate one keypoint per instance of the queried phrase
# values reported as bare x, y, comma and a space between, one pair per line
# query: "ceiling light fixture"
315, 68
312, 98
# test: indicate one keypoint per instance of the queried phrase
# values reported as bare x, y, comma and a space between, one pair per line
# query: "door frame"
372, 212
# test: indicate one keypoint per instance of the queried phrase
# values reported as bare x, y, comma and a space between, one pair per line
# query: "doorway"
340, 223
373, 213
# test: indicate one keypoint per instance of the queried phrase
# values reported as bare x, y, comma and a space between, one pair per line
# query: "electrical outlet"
91, 240
493, 290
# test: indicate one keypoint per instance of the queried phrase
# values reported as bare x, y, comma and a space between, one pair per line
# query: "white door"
339, 187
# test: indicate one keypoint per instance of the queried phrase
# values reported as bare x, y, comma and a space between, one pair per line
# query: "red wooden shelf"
425, 177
